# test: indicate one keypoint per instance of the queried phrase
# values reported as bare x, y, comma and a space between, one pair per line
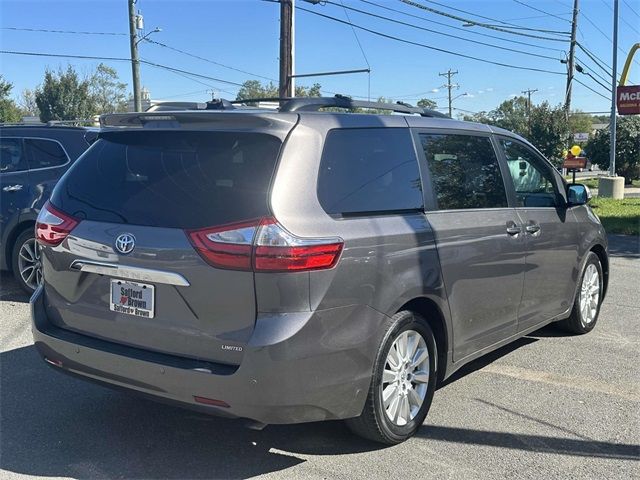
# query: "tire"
374, 422
27, 278
583, 320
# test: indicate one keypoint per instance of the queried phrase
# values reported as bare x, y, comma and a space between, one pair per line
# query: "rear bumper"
298, 367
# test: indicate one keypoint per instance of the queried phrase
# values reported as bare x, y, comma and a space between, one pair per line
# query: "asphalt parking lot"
547, 406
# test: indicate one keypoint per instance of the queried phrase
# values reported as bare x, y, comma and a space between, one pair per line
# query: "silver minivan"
303, 265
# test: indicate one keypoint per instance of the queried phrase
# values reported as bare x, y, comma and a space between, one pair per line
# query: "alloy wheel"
29, 264
405, 378
589, 294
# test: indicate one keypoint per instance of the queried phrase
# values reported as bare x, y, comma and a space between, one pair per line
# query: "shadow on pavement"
624, 246
533, 443
485, 360
55, 425
10, 291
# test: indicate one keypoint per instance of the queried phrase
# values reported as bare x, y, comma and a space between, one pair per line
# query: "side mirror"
578, 194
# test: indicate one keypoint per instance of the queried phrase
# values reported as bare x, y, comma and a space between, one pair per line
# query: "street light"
155, 30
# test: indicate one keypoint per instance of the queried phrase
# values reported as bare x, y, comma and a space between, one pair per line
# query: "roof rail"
313, 104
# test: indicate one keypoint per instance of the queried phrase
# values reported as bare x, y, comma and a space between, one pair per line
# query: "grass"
618, 216
593, 182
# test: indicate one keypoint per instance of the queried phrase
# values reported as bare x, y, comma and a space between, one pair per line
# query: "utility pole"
528, 94
286, 49
135, 61
449, 74
571, 59
612, 152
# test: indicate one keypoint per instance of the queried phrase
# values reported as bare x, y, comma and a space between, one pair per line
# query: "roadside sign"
580, 137
628, 100
572, 163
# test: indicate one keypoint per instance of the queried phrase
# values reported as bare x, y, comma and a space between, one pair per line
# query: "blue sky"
243, 34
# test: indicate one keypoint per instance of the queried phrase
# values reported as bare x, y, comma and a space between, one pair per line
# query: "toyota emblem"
125, 243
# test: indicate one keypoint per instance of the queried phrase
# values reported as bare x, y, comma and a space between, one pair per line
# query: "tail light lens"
53, 225
278, 250
227, 246
264, 246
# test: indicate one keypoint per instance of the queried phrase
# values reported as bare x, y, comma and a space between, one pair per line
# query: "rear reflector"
264, 246
53, 225
211, 401
55, 363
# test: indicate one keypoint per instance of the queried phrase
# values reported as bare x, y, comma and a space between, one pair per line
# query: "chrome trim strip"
131, 273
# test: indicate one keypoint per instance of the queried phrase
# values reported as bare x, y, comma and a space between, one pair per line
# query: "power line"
512, 25
208, 60
485, 25
355, 34
400, 22
595, 59
61, 31
631, 8
622, 18
462, 29
346, 14
589, 88
594, 72
423, 45
118, 59
542, 11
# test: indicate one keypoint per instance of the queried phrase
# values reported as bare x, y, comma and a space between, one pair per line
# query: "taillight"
278, 250
53, 225
264, 246
227, 246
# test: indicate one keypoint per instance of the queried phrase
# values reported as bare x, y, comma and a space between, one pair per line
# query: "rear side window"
464, 171
12, 158
172, 179
43, 153
372, 170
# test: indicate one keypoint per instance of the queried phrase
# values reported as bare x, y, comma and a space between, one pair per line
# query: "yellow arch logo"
627, 65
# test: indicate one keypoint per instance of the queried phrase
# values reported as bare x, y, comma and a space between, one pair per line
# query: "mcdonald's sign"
628, 96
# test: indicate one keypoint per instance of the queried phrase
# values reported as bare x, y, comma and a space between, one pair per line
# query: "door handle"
533, 228
12, 188
514, 230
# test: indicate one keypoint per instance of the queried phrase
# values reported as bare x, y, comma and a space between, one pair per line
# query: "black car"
32, 159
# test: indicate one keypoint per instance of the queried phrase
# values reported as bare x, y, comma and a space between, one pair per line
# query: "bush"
627, 148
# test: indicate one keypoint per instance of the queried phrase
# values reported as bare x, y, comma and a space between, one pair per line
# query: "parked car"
32, 159
296, 266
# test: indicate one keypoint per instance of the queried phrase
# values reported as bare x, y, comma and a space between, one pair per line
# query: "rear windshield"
171, 179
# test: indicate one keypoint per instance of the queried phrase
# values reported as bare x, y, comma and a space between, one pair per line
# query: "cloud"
480, 92
435, 90
469, 95
490, 89
551, 88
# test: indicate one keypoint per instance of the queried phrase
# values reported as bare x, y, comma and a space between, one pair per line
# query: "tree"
63, 96
313, 91
549, 130
627, 147
9, 112
427, 103
108, 93
256, 89
580, 122
27, 103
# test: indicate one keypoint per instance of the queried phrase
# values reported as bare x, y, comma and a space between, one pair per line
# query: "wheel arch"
601, 252
431, 312
12, 237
